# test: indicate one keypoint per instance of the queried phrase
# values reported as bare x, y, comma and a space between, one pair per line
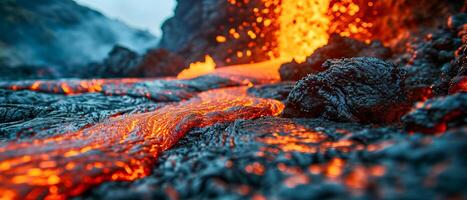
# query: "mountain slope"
61, 33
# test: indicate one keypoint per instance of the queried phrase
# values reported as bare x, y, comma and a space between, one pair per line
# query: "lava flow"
125, 148
121, 149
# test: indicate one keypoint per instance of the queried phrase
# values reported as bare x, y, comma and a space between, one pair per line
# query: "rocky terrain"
356, 120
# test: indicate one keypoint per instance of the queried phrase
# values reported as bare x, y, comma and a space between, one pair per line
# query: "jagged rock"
459, 70
27, 114
123, 62
433, 62
365, 90
438, 114
277, 91
337, 47
160, 63
119, 62
274, 158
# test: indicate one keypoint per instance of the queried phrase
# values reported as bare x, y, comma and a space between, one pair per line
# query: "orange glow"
303, 28
221, 39
124, 148
68, 86
335, 168
255, 168
294, 29
48, 167
198, 69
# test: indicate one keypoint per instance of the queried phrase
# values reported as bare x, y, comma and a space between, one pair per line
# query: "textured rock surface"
337, 47
438, 114
123, 62
279, 91
365, 90
302, 159
435, 61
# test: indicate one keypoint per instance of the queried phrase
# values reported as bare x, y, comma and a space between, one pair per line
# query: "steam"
73, 36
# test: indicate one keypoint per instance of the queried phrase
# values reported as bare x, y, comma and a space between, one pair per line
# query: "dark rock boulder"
119, 62
438, 114
365, 90
160, 63
337, 47
123, 62
277, 91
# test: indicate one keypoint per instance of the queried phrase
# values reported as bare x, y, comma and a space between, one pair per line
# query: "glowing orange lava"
304, 27
294, 29
69, 86
125, 148
121, 149
198, 69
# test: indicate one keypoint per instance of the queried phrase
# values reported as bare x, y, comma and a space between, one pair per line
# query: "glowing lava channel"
121, 149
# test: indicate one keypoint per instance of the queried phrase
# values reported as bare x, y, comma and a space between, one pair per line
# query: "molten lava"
125, 148
121, 149
198, 69
304, 27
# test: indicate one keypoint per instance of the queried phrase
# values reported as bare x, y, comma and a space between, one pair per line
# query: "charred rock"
365, 90
123, 62
438, 114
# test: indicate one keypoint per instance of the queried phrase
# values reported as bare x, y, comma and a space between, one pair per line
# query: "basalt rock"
365, 90
160, 63
438, 114
302, 159
432, 63
277, 91
123, 62
119, 62
337, 47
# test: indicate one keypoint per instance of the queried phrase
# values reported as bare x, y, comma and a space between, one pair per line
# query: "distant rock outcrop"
123, 62
61, 34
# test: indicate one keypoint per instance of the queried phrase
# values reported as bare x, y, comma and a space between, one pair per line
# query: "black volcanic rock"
119, 62
365, 90
160, 63
61, 34
337, 47
123, 62
217, 162
438, 114
437, 63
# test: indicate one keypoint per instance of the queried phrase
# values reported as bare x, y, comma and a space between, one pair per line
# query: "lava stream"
121, 149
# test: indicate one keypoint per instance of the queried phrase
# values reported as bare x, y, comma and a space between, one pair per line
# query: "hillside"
61, 33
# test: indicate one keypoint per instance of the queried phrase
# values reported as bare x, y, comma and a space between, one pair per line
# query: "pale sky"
144, 14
